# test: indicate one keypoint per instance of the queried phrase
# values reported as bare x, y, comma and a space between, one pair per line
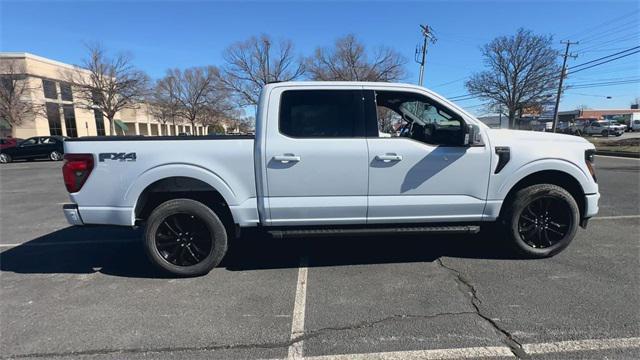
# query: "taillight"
76, 170
589, 159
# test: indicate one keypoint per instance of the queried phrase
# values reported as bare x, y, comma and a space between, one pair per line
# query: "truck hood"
503, 137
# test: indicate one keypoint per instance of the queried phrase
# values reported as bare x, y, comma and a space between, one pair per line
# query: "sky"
166, 34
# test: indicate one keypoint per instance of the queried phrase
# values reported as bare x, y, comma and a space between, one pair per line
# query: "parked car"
602, 127
318, 165
634, 125
38, 147
8, 142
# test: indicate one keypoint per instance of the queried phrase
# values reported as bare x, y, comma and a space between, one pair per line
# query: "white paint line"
581, 345
616, 217
460, 353
297, 321
79, 242
618, 157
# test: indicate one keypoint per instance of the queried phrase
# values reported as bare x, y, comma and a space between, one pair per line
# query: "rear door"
315, 156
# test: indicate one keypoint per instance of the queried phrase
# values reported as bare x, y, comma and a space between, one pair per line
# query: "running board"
434, 230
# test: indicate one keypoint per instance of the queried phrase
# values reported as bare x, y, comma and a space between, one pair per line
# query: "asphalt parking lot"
89, 292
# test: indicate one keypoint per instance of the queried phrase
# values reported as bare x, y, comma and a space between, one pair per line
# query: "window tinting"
70, 120
65, 92
97, 114
50, 91
322, 113
53, 115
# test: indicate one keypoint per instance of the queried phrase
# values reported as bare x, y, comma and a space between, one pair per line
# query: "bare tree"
108, 84
348, 60
255, 62
16, 104
197, 92
522, 70
163, 101
582, 107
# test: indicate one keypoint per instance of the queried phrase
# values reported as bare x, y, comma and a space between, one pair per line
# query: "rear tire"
55, 156
5, 158
185, 237
542, 220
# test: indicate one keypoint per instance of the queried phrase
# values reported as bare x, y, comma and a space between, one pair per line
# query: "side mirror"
472, 135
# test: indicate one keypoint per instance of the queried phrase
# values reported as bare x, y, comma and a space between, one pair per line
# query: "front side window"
50, 91
404, 114
322, 114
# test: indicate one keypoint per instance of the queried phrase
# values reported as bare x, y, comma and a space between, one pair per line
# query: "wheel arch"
192, 181
560, 178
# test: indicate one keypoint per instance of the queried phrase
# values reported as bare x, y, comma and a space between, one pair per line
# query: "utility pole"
563, 74
421, 49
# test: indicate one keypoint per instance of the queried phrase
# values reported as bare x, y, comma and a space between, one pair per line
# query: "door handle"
389, 157
286, 158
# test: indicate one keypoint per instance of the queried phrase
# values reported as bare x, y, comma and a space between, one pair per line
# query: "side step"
352, 231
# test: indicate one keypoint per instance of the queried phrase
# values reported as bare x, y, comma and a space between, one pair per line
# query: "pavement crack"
368, 324
514, 345
267, 345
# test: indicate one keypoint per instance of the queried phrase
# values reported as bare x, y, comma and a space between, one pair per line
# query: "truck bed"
124, 166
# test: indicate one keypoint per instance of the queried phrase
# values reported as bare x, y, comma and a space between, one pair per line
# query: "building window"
50, 91
70, 120
97, 114
53, 115
65, 92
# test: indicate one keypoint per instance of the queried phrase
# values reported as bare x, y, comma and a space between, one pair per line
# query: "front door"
420, 170
316, 157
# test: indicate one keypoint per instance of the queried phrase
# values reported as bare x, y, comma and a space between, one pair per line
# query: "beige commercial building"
65, 115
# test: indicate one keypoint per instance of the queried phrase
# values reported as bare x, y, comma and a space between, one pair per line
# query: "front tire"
185, 237
5, 159
542, 220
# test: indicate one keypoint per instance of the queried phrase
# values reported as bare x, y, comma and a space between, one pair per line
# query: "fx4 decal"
117, 156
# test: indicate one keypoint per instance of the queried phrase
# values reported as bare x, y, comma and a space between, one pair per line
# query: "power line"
599, 27
604, 62
604, 57
607, 42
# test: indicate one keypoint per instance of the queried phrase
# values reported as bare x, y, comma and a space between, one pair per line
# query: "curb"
623, 154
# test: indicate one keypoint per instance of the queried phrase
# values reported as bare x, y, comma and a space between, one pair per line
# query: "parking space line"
297, 320
79, 242
582, 345
616, 217
459, 353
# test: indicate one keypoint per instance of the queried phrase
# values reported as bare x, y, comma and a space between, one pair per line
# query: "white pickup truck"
319, 164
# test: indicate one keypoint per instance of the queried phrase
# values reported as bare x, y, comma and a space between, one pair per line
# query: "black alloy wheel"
183, 239
541, 220
544, 222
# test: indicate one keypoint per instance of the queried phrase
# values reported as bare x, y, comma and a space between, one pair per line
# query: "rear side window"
322, 113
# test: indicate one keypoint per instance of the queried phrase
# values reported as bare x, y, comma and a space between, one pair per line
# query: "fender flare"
152, 175
540, 165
